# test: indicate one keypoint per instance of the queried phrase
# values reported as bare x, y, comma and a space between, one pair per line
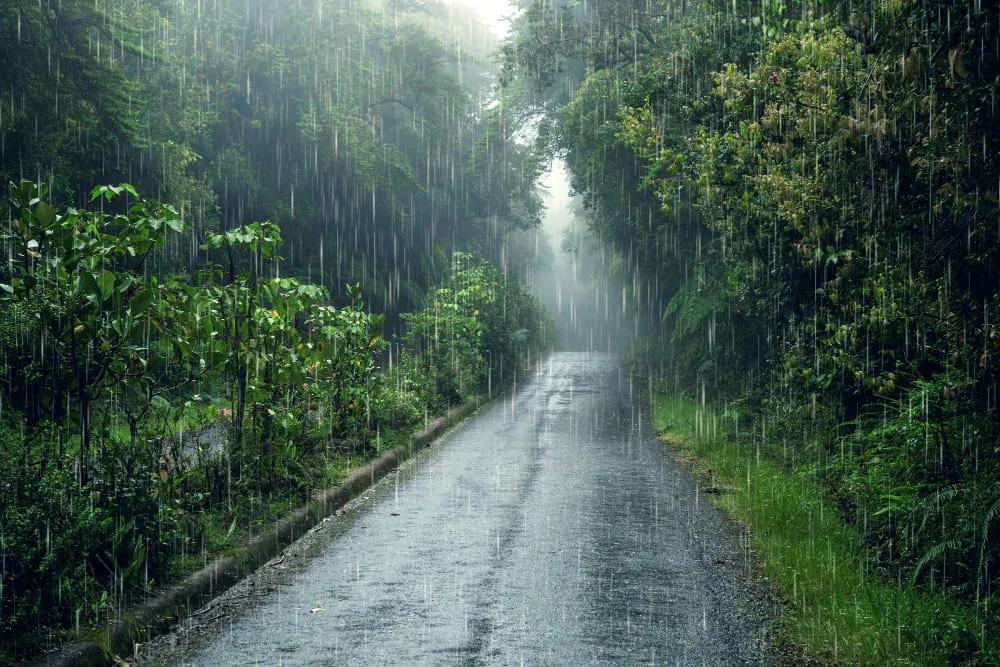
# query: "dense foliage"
364, 129
173, 374
144, 413
476, 330
806, 198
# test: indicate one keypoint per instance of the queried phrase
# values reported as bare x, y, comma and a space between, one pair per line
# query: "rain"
520, 331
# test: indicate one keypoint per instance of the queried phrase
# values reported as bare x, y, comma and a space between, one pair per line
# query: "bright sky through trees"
496, 12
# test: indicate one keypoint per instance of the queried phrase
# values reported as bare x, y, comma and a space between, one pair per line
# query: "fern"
984, 559
934, 553
695, 301
931, 503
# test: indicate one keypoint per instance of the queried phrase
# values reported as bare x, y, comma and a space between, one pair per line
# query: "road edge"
153, 617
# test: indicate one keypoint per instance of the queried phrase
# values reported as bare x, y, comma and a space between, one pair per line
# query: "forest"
248, 246
803, 199
296, 227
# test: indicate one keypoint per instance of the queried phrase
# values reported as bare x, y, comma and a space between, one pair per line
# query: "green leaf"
175, 224
121, 326
106, 283
106, 191
90, 286
232, 527
140, 301
45, 214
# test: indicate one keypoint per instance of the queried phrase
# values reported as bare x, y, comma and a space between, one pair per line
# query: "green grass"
837, 611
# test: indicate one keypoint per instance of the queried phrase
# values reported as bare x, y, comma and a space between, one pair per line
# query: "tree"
86, 273
724, 163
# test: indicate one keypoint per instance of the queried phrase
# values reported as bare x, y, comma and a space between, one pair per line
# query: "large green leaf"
140, 301
90, 286
106, 283
45, 214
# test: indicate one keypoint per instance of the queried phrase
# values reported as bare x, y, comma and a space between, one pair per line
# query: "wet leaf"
955, 62
106, 284
140, 301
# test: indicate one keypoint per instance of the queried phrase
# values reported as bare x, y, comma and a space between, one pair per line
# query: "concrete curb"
155, 616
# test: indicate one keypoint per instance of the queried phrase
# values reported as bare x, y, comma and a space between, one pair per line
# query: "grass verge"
837, 611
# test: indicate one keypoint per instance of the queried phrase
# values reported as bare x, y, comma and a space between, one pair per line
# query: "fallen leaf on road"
317, 609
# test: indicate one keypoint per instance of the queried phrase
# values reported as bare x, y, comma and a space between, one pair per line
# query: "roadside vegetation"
114, 376
309, 262
802, 202
841, 608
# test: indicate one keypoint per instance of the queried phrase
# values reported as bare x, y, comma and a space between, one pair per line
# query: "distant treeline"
365, 130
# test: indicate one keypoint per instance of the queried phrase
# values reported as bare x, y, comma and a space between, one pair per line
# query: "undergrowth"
839, 609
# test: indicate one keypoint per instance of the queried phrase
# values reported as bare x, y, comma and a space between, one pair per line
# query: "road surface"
552, 528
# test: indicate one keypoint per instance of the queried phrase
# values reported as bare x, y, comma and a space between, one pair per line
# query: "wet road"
551, 528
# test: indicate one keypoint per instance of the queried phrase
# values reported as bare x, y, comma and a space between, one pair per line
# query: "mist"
571, 274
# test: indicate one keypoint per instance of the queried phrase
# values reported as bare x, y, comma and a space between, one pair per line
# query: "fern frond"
942, 495
934, 553
984, 560
991, 513
696, 300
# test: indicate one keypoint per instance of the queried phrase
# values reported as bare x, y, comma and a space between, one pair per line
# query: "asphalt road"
551, 528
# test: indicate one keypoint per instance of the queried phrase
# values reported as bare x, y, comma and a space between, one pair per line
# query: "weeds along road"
551, 528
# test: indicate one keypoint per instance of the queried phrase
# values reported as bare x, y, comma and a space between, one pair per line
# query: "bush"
399, 409
70, 550
473, 333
